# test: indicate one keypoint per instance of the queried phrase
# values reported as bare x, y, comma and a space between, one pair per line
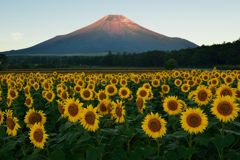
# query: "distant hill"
114, 33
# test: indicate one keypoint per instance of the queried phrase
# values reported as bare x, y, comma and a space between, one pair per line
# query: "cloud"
16, 36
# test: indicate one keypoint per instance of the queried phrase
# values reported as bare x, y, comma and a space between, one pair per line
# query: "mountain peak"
119, 18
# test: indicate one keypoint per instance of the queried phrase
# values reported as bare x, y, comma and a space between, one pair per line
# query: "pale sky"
24, 23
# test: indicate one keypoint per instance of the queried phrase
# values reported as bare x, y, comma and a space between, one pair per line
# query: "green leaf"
202, 140
91, 154
185, 152
223, 141
232, 132
57, 154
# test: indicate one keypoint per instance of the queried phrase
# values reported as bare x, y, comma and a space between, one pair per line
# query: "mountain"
114, 33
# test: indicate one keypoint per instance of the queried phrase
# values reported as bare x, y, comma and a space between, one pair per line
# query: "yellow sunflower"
194, 121
60, 107
124, 92
185, 88
49, 96
104, 107
118, 112
33, 117
178, 82
72, 109
38, 136
28, 101
12, 93
86, 94
202, 95
142, 92
12, 123
225, 90
111, 90
165, 89
225, 109
90, 119
154, 126
172, 106
155, 83
101, 95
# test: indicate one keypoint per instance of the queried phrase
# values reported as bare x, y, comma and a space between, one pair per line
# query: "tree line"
226, 54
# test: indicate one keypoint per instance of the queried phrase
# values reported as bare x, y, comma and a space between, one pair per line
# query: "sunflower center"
103, 108
35, 118
110, 90
73, 109
119, 111
202, 95
143, 93
124, 92
10, 123
165, 88
102, 96
28, 101
38, 135
155, 82
194, 120
154, 125
224, 108
86, 93
90, 117
229, 80
226, 92
49, 95
172, 105
12, 93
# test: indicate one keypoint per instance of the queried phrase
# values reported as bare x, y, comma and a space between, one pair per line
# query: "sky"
24, 23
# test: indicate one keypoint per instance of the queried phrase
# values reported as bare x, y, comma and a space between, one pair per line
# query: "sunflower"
225, 90
90, 119
49, 96
12, 94
72, 109
124, 92
140, 104
1, 117
101, 95
165, 89
111, 90
185, 88
86, 94
123, 82
33, 117
143, 93
38, 136
36, 86
28, 101
12, 123
225, 109
77, 88
154, 126
202, 95
155, 83
194, 121
118, 112
104, 107
178, 82
172, 106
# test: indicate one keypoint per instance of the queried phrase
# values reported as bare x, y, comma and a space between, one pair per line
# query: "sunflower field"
178, 114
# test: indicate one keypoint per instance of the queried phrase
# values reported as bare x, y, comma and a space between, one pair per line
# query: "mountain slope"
113, 32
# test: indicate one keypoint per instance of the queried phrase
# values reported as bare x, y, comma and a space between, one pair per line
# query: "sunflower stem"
158, 146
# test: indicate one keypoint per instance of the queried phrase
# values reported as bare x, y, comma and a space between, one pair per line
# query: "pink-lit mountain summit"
114, 33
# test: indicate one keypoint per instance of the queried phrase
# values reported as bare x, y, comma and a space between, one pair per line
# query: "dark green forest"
224, 56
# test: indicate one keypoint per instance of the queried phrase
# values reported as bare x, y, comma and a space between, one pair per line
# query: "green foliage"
224, 56
171, 64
